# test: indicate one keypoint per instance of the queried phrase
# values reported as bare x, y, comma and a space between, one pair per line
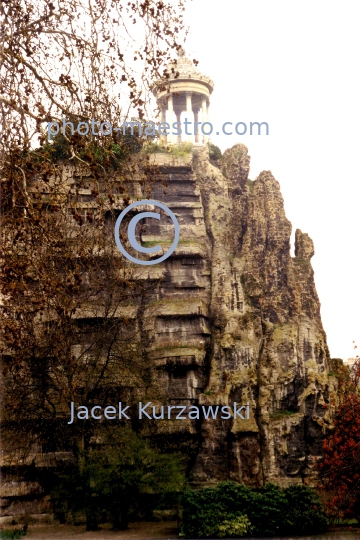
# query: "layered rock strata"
230, 317
238, 320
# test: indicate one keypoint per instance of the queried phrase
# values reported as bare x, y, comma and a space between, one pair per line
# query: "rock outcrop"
238, 320
230, 317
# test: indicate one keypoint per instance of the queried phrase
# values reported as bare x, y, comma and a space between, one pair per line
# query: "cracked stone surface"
230, 317
240, 322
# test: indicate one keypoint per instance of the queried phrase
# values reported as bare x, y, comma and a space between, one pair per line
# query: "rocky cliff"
230, 317
238, 320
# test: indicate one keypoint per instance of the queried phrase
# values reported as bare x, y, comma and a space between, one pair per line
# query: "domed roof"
182, 70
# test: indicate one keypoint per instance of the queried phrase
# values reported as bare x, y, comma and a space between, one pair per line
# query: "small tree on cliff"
340, 467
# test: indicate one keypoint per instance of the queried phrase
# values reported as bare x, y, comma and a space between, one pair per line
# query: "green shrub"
110, 481
235, 527
268, 511
305, 512
177, 150
102, 152
12, 533
214, 522
154, 147
181, 149
233, 510
214, 151
206, 510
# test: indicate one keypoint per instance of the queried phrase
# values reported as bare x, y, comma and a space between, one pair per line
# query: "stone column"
163, 119
204, 111
189, 116
170, 137
178, 119
197, 129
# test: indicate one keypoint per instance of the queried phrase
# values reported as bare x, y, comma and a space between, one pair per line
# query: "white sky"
295, 65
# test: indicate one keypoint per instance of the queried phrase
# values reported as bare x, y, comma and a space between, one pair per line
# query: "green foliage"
206, 510
214, 151
177, 150
250, 184
181, 149
235, 527
154, 147
12, 533
305, 511
215, 522
111, 479
269, 511
102, 150
232, 509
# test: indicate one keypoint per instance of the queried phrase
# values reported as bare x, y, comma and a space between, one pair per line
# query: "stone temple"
187, 90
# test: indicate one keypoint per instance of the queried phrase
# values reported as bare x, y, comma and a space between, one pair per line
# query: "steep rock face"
229, 317
239, 321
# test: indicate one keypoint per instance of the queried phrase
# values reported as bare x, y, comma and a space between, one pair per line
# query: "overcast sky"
295, 65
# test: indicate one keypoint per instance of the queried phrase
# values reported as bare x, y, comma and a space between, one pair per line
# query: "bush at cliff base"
12, 534
233, 510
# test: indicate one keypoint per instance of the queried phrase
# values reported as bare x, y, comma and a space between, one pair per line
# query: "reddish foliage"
340, 468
